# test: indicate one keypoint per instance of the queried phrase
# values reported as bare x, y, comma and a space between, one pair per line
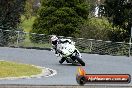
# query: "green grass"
30, 44
11, 69
27, 26
27, 43
27, 23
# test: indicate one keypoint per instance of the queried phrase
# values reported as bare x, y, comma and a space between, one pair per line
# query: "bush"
101, 29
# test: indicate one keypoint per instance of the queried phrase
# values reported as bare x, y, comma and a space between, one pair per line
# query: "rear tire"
80, 60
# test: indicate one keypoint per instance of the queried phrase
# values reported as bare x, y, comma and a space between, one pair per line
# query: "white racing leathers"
68, 52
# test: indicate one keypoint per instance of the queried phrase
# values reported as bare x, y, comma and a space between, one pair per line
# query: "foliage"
94, 3
28, 9
10, 11
119, 12
27, 23
61, 17
100, 29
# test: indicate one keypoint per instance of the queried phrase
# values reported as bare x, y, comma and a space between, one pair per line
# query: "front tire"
80, 60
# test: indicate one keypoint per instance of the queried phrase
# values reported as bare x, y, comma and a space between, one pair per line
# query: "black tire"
80, 61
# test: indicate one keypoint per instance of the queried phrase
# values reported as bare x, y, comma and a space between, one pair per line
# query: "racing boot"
56, 52
62, 60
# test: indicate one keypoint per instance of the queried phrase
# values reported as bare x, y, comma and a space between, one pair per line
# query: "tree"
28, 9
10, 11
61, 17
119, 12
100, 29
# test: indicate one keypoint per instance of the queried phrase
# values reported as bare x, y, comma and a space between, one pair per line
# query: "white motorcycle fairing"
68, 51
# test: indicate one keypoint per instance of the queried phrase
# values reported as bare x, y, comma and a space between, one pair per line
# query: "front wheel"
80, 60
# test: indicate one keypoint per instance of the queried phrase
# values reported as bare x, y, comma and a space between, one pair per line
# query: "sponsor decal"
83, 78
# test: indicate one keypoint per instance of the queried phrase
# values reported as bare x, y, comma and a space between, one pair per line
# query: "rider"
54, 41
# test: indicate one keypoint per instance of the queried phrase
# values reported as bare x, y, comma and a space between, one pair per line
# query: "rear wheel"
80, 60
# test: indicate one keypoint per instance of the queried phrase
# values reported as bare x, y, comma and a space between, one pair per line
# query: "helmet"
54, 38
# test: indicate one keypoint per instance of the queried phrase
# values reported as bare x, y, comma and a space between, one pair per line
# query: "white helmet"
54, 38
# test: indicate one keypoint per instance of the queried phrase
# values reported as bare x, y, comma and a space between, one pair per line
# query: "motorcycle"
68, 52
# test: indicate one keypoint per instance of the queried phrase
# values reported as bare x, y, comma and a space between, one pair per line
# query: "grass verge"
12, 69
27, 23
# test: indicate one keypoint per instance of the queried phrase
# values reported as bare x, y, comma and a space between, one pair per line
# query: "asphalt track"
66, 73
